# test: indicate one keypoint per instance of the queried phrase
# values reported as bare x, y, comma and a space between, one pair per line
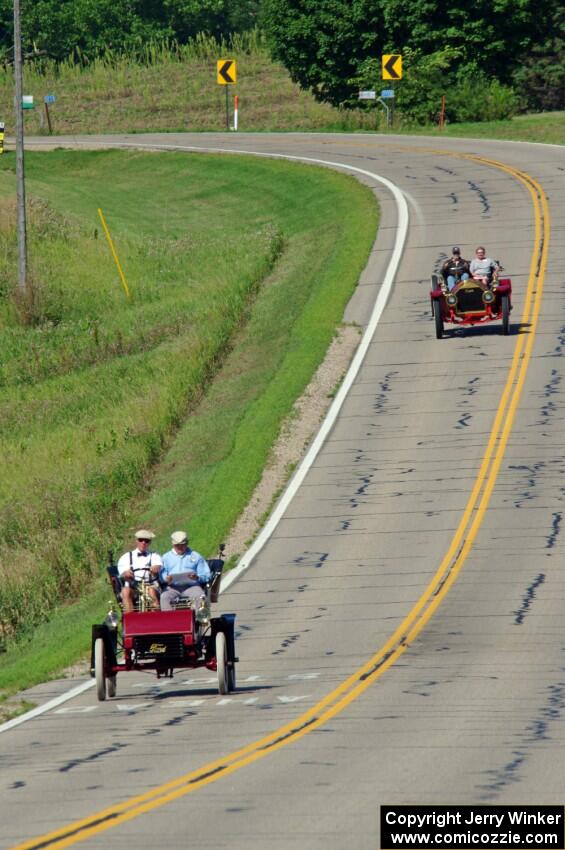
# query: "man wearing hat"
455, 268
183, 571
140, 565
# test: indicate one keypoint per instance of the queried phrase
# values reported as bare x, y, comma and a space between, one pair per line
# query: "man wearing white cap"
183, 571
137, 566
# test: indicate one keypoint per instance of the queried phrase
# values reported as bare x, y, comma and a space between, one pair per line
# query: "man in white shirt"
140, 566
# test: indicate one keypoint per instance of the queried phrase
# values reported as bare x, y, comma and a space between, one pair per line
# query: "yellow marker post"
1, 137
113, 250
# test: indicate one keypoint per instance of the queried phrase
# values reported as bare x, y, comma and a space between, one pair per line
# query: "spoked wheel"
99, 664
505, 304
222, 663
438, 319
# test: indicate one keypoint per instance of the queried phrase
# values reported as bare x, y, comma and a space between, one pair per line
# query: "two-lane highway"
401, 634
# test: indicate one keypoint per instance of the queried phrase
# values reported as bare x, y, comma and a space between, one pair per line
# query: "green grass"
546, 127
239, 271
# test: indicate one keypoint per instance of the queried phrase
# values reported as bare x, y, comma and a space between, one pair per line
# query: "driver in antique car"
455, 268
184, 571
140, 565
483, 267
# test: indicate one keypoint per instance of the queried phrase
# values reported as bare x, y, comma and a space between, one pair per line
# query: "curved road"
401, 636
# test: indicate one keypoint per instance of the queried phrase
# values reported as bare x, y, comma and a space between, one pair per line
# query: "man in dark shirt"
455, 268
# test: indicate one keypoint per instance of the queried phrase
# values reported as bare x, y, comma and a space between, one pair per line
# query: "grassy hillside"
161, 408
175, 90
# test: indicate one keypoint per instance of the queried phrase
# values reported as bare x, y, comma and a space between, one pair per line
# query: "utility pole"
20, 176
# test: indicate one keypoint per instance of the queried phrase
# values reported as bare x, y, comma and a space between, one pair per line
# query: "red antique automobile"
161, 641
471, 302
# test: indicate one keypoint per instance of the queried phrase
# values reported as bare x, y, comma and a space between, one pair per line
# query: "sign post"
391, 64
20, 174
388, 94
226, 75
49, 98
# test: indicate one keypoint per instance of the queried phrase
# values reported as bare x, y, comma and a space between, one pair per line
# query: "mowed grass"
161, 409
548, 127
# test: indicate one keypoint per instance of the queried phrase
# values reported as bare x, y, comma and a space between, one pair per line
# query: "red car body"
471, 302
162, 641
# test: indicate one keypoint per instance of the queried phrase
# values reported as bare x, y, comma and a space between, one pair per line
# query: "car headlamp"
111, 620
488, 296
451, 300
203, 614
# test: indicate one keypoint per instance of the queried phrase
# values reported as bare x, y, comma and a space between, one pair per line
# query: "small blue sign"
387, 93
49, 98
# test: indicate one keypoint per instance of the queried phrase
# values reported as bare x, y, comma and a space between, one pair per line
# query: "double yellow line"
412, 625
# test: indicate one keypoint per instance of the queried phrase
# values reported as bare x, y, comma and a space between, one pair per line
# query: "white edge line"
53, 703
328, 423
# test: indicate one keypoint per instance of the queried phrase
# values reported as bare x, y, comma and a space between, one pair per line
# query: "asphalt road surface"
401, 636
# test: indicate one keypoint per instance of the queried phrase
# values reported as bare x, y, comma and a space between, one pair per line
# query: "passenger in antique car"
483, 267
184, 572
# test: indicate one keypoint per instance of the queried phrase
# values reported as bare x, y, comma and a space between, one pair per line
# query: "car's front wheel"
438, 319
222, 663
505, 308
99, 664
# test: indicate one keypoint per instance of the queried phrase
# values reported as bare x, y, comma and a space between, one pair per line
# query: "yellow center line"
461, 544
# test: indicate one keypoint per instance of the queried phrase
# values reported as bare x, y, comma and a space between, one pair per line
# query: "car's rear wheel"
505, 306
99, 664
222, 663
438, 318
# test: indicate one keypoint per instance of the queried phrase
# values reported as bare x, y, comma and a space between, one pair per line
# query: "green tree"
541, 79
59, 27
325, 44
219, 18
493, 36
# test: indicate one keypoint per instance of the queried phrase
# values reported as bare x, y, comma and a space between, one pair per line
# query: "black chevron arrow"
389, 67
225, 71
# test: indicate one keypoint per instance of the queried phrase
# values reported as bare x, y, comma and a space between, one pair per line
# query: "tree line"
89, 28
490, 59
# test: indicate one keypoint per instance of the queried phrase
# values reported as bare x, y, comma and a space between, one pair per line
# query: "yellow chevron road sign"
392, 66
226, 72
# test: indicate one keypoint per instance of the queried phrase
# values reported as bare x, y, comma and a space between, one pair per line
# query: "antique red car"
471, 302
162, 641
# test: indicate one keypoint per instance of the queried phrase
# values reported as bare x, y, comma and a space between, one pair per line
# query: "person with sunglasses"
140, 566
455, 268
